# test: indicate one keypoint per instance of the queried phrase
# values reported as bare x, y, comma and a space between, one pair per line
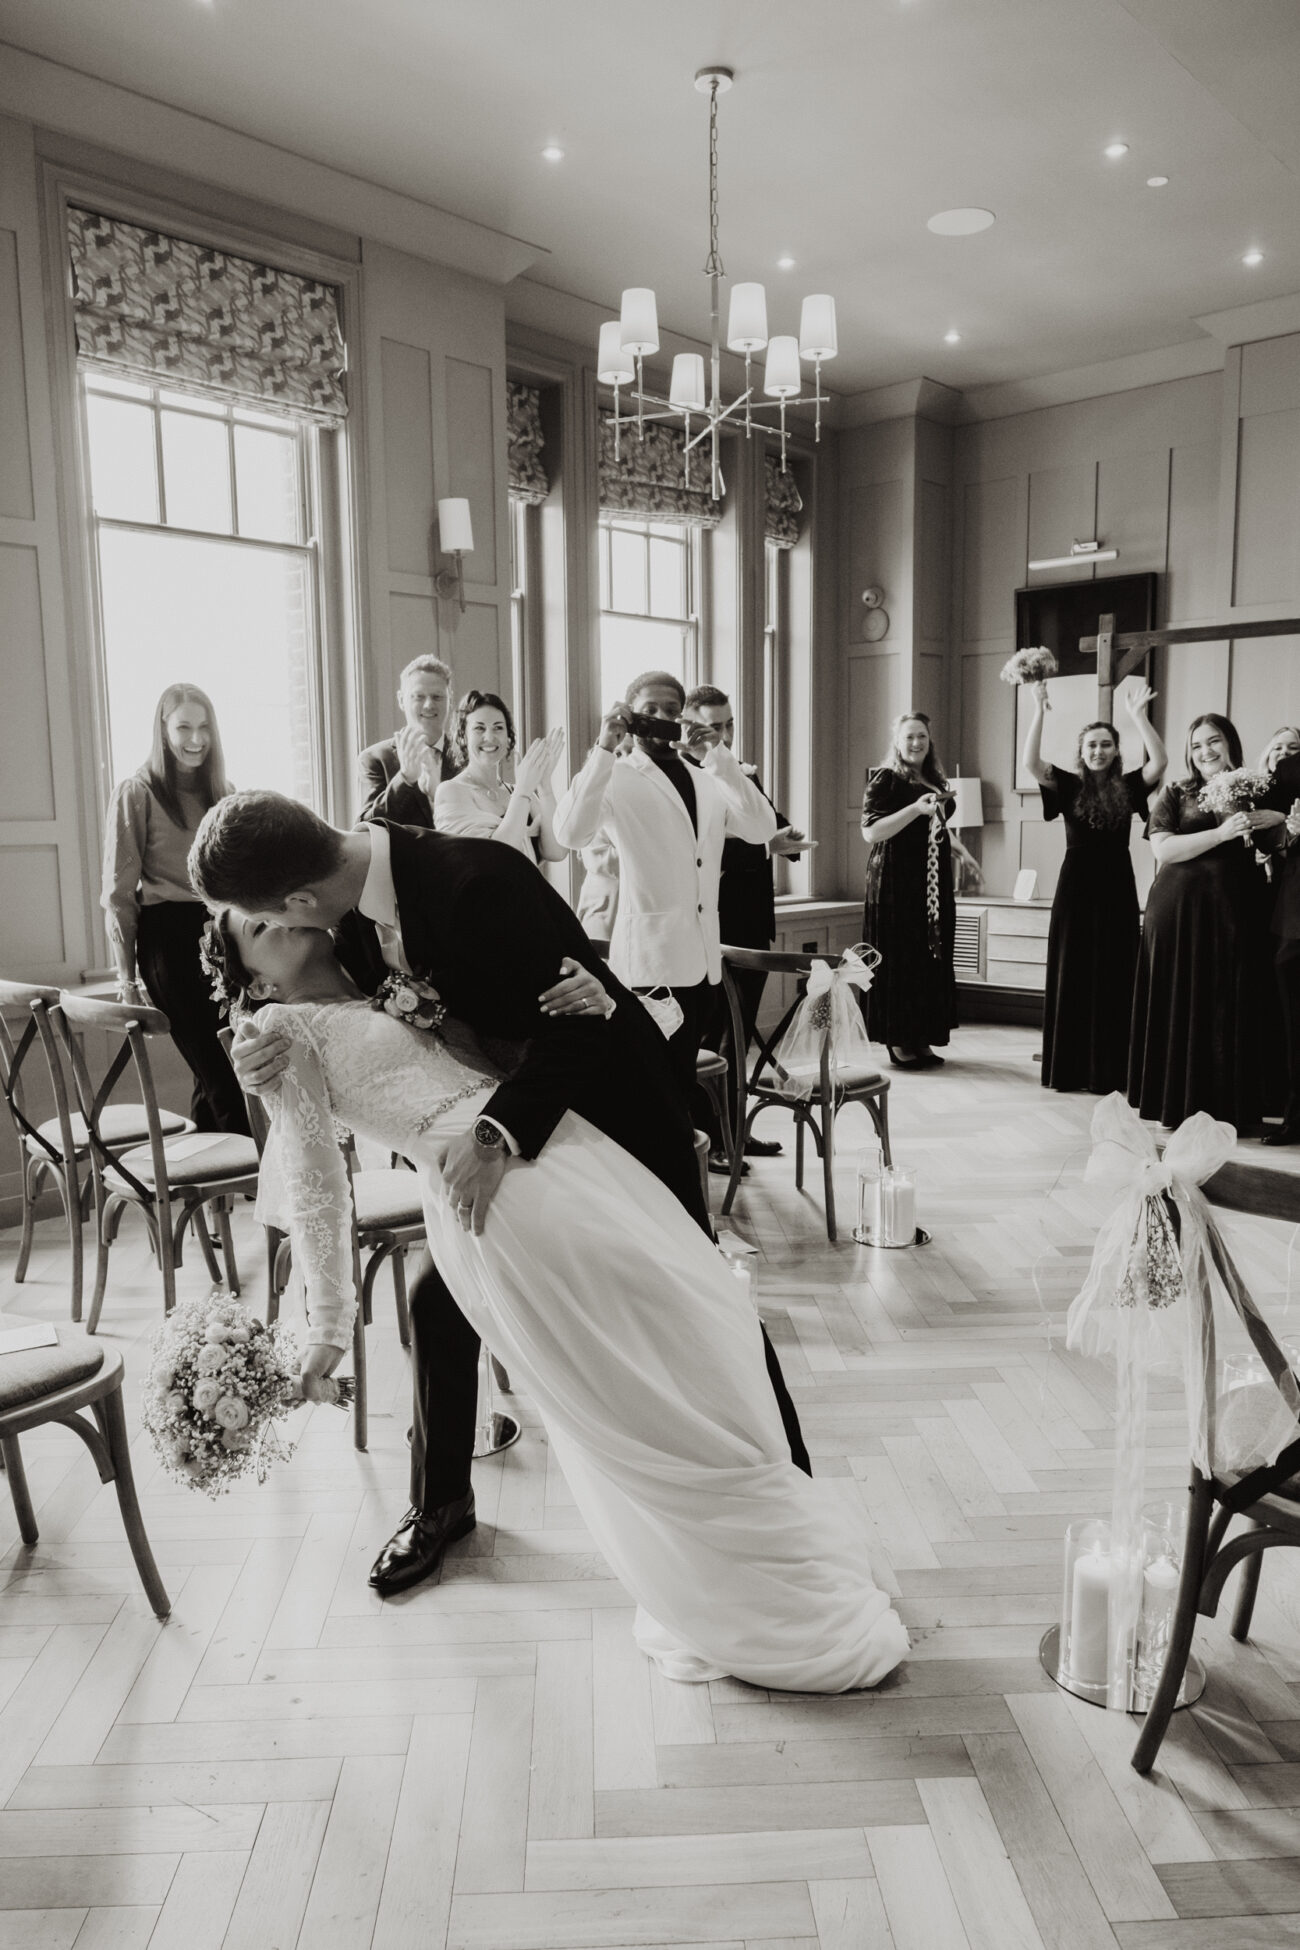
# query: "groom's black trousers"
444, 1355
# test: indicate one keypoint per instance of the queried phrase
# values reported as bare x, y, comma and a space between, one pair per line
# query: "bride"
612, 1310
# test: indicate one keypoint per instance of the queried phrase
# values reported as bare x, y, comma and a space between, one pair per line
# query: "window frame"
695, 552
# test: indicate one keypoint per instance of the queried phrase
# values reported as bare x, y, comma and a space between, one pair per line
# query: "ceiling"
852, 122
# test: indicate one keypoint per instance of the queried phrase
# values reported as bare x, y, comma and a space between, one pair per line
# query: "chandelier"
626, 341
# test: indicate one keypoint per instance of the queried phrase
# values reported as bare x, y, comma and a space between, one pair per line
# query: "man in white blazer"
668, 821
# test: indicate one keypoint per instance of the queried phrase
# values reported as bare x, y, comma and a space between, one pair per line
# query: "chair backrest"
33, 1001
1256, 1189
130, 1027
775, 961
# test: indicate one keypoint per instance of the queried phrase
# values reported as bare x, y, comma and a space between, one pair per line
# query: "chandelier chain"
713, 263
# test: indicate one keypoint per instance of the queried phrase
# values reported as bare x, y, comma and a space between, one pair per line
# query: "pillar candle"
1089, 1619
1159, 1591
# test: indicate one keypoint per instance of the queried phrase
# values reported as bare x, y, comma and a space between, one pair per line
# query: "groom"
480, 924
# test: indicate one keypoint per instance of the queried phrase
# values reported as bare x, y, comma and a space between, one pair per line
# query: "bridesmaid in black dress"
1092, 948
1202, 1005
910, 914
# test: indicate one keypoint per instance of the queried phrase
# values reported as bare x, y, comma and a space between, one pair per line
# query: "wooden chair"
829, 1094
171, 1179
712, 1073
1269, 1500
57, 1147
50, 1384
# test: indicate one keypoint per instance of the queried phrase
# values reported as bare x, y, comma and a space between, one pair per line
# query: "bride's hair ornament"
220, 961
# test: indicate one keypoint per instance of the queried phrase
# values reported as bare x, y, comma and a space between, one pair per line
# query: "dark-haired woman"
1092, 947
1203, 1009
477, 804
910, 914
154, 918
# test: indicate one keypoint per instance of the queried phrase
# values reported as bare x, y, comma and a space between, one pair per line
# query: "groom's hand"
470, 1176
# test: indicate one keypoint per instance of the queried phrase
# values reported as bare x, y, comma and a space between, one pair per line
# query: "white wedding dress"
625, 1327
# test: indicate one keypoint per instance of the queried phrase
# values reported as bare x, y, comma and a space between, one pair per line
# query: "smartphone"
663, 731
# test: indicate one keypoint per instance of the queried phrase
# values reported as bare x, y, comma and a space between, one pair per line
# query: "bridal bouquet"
1029, 666
1229, 792
219, 1382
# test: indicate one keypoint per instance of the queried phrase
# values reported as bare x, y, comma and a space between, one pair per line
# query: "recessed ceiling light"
952, 338
1115, 150
960, 223
1157, 182
1253, 257
785, 264
553, 153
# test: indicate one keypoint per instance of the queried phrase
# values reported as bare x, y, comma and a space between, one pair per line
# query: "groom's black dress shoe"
417, 1549
1288, 1134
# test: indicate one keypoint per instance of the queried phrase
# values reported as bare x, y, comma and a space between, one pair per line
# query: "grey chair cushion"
118, 1124
387, 1199
39, 1371
200, 1158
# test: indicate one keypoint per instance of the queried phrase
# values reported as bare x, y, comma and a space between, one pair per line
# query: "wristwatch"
488, 1136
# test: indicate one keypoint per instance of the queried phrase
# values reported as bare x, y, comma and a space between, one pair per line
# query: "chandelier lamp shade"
625, 342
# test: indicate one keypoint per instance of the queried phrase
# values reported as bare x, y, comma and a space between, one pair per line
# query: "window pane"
196, 472
235, 621
667, 577
195, 403
102, 382
629, 645
266, 482
123, 467
627, 571
246, 417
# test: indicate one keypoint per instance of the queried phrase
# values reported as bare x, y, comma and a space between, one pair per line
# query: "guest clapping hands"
478, 804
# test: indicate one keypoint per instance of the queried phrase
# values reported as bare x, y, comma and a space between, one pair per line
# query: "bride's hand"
318, 1364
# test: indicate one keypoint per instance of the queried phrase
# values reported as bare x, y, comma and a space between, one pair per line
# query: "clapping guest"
1285, 743
398, 777
154, 918
1201, 1001
478, 804
1092, 947
910, 913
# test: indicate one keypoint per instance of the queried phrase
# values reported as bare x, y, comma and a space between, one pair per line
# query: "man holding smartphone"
746, 905
669, 822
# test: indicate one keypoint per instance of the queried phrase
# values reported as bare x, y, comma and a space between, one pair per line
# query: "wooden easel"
1118, 655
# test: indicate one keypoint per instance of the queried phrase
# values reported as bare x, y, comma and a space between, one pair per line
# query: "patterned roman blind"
161, 310
525, 444
647, 478
783, 504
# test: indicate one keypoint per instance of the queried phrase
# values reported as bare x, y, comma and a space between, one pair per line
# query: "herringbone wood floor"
489, 1763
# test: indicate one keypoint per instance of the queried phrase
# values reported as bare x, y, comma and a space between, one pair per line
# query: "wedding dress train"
623, 1324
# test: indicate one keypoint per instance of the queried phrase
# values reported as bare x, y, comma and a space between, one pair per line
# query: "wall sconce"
455, 537
1079, 552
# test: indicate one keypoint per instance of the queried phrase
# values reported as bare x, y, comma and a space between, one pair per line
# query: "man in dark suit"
479, 923
397, 778
1285, 798
746, 907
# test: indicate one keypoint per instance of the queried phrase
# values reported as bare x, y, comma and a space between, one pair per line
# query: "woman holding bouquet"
1202, 1006
1092, 948
910, 913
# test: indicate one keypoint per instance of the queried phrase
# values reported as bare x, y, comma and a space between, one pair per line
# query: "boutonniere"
408, 999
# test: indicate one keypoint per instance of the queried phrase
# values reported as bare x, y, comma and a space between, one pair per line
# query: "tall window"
649, 579
207, 558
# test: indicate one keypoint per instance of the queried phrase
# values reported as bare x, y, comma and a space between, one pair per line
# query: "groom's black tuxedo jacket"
488, 931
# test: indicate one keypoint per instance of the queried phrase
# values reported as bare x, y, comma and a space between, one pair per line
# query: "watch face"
486, 1133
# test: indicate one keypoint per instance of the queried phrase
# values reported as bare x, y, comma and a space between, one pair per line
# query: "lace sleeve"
303, 1186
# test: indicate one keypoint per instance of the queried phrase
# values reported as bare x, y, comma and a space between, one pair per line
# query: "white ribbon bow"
852, 971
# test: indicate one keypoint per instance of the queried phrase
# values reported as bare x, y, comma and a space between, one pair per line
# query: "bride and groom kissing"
566, 1223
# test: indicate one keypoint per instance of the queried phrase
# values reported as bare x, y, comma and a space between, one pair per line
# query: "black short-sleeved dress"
1092, 947
1202, 1002
910, 916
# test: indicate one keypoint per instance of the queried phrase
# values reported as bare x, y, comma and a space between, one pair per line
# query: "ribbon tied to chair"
1161, 1295
829, 1011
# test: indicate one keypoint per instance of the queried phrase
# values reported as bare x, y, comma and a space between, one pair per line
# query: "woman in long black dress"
1092, 947
1202, 1004
910, 914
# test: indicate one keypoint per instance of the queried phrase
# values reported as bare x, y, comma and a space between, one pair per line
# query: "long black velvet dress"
1203, 1009
911, 917
1092, 947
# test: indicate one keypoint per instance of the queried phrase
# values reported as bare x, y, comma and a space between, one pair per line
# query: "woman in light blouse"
477, 804
154, 918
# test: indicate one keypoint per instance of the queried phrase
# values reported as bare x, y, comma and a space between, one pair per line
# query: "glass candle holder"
869, 1165
897, 1206
1084, 1655
1162, 1564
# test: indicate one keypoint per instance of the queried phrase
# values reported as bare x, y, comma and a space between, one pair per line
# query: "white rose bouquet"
218, 1383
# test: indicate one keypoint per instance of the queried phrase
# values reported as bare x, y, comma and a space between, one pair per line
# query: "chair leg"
216, 1272
111, 1417
360, 1408
167, 1254
879, 1110
103, 1240
1244, 1609
18, 1489
399, 1296
281, 1257
29, 1219
70, 1193
1160, 1711
500, 1376
799, 1121
828, 1165
227, 1244
742, 1127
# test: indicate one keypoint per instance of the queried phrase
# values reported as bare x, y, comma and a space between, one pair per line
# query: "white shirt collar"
379, 896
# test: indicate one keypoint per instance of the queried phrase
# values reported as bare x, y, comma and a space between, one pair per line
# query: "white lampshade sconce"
455, 537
